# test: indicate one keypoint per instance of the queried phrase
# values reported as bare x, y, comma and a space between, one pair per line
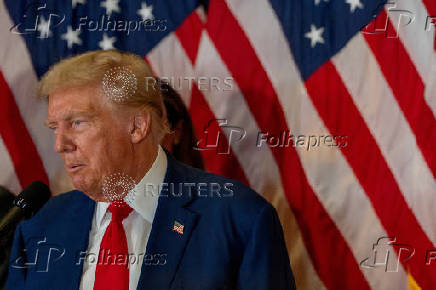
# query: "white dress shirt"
137, 225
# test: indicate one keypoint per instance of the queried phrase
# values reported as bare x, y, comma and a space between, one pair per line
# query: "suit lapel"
171, 229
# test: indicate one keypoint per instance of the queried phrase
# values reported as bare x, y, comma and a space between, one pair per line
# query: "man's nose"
63, 142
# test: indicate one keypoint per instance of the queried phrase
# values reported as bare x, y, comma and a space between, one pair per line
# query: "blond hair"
89, 69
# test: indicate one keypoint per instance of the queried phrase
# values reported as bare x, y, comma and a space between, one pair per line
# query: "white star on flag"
319, 1
72, 37
111, 6
44, 28
75, 2
146, 11
354, 4
315, 35
107, 42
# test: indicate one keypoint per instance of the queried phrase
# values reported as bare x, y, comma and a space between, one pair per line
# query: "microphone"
26, 204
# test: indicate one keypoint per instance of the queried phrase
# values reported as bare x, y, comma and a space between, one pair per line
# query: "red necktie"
112, 270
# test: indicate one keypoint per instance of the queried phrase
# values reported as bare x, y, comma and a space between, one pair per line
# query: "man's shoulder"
62, 202
55, 209
222, 195
234, 206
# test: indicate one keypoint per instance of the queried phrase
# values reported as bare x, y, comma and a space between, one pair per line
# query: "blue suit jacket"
229, 241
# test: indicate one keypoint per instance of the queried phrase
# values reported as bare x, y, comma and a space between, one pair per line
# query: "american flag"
178, 227
356, 215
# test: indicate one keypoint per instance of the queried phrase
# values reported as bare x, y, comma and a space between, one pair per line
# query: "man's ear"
140, 127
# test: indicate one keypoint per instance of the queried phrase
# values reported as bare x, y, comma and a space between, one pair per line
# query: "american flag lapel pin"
178, 227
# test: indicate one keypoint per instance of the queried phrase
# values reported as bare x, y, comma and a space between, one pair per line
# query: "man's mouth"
74, 167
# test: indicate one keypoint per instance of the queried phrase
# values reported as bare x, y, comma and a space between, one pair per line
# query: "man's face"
91, 138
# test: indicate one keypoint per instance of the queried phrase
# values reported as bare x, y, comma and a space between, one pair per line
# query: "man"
138, 219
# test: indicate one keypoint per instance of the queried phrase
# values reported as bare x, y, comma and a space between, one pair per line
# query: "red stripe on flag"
322, 238
341, 116
408, 88
189, 34
27, 162
222, 164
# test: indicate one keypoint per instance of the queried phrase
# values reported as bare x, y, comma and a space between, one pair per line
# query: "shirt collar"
141, 198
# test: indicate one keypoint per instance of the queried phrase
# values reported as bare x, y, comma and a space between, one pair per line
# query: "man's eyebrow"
48, 122
71, 115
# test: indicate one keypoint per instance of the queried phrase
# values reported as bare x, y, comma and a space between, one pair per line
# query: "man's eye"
77, 123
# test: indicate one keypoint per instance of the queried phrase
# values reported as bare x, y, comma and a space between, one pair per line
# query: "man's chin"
91, 190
